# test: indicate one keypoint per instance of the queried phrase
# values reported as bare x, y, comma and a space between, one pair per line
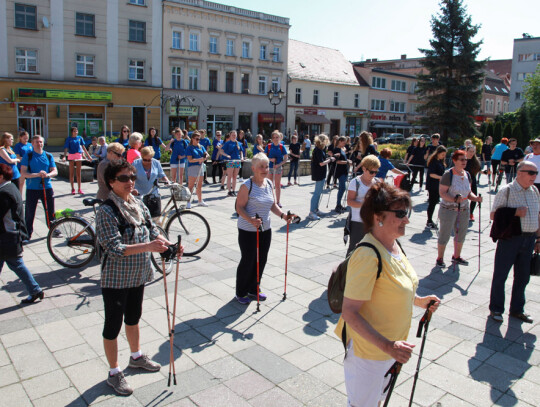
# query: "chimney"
403, 56
374, 59
368, 60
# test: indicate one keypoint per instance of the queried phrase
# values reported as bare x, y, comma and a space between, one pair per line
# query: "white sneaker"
313, 216
188, 206
202, 203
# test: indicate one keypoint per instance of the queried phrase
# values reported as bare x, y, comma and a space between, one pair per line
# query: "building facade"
94, 65
525, 58
219, 63
323, 94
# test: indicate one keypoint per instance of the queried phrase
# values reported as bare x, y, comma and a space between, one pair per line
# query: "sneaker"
202, 203
81, 192
471, 217
313, 216
520, 315
296, 183
222, 188
188, 206
460, 260
497, 316
440, 263
262, 297
233, 193
318, 212
144, 362
289, 184
72, 191
229, 193
56, 233
119, 383
243, 300
431, 225
206, 182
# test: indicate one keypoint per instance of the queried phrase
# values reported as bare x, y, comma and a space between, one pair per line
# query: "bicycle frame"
172, 206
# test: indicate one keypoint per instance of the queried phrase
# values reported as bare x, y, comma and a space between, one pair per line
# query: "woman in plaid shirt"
127, 235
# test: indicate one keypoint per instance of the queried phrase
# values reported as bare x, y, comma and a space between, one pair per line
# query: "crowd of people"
378, 213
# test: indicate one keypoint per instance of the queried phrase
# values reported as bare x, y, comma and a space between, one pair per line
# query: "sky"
386, 29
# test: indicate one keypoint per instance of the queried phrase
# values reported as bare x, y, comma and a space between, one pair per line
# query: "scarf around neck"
130, 209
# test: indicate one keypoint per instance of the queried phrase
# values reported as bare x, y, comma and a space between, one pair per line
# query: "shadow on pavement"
319, 316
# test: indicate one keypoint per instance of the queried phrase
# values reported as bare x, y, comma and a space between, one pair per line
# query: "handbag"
505, 223
535, 264
153, 203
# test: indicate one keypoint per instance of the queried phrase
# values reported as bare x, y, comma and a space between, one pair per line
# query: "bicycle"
72, 241
500, 176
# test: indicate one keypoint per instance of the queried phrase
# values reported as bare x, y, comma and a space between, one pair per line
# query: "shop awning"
313, 118
269, 117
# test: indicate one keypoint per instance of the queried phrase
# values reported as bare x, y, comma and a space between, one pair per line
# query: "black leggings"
246, 273
474, 190
331, 173
217, 169
121, 302
417, 170
433, 200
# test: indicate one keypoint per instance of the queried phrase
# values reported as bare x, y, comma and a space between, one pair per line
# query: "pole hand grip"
261, 226
425, 319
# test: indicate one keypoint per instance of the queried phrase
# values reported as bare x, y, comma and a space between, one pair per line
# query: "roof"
315, 63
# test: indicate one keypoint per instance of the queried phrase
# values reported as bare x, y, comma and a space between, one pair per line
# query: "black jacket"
12, 226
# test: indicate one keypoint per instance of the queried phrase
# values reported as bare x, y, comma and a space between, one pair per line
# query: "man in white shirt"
535, 158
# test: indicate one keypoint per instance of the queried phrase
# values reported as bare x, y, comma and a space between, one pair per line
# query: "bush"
398, 150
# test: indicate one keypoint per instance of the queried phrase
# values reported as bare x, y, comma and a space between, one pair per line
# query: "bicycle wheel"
71, 242
193, 228
156, 258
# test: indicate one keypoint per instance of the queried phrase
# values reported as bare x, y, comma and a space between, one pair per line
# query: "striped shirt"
517, 197
260, 201
117, 270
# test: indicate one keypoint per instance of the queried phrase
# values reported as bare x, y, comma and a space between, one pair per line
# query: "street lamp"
275, 99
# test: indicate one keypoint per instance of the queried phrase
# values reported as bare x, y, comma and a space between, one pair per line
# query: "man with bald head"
516, 251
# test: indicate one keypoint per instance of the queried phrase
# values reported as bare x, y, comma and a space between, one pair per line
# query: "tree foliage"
507, 131
451, 88
489, 130
518, 135
497, 132
532, 98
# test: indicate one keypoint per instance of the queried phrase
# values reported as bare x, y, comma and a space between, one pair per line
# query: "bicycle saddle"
91, 201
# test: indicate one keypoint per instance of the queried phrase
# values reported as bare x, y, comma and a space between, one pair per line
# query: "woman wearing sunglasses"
455, 191
124, 136
127, 235
378, 310
196, 156
358, 188
114, 152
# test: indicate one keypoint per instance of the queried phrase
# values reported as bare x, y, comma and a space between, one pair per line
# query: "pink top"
132, 155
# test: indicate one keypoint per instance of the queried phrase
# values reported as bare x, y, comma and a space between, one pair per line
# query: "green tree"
507, 131
497, 133
523, 114
532, 98
518, 135
489, 131
451, 88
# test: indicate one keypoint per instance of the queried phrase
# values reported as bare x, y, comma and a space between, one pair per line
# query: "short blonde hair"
321, 140
135, 138
147, 151
370, 162
116, 147
259, 159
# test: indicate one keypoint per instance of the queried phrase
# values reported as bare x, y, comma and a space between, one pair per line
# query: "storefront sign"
378, 117
353, 114
64, 94
395, 118
310, 110
184, 110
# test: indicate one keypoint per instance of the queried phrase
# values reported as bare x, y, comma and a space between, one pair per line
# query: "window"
529, 57
487, 105
212, 80
213, 47
230, 48
397, 107
378, 105
85, 65
521, 76
26, 60
25, 16
504, 90
262, 85
176, 82
399, 86
505, 104
378, 83
487, 86
315, 97
84, 24
193, 42
137, 31
137, 2
245, 83
336, 98
136, 70
298, 96
262, 54
177, 39
246, 51
356, 100
276, 55
275, 85
518, 96
193, 79
229, 82
499, 106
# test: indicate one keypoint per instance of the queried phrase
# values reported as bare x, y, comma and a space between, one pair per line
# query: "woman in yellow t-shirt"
378, 311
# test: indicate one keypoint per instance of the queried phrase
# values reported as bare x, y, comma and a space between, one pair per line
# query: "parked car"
395, 138
381, 140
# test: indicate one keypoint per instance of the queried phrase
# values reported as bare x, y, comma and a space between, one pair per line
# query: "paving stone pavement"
51, 352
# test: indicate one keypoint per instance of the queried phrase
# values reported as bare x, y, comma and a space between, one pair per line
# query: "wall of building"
525, 58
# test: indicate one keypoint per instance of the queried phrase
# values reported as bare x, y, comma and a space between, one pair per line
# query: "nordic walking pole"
171, 357
45, 204
422, 326
174, 306
258, 272
457, 225
334, 177
479, 229
394, 372
286, 256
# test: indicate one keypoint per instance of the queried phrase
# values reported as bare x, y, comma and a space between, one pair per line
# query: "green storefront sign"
184, 110
64, 94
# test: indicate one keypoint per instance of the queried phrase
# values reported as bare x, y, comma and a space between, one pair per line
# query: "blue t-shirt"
497, 152
74, 144
216, 144
277, 152
124, 142
16, 173
22, 149
232, 148
243, 145
156, 142
195, 152
205, 142
178, 148
384, 168
39, 162
256, 150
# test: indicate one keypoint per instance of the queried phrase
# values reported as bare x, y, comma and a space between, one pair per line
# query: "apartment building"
525, 59
219, 63
95, 65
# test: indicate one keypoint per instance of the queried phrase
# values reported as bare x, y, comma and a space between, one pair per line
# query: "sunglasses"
126, 178
461, 159
147, 160
117, 154
530, 172
400, 213
125, 131
372, 172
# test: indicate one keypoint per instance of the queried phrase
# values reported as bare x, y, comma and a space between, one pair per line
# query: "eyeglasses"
372, 172
461, 159
530, 172
196, 138
400, 213
126, 178
117, 154
125, 131
147, 160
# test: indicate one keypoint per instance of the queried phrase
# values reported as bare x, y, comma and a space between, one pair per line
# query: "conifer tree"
518, 135
489, 131
497, 132
450, 88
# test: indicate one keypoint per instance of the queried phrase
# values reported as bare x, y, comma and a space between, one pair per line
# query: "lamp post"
275, 99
